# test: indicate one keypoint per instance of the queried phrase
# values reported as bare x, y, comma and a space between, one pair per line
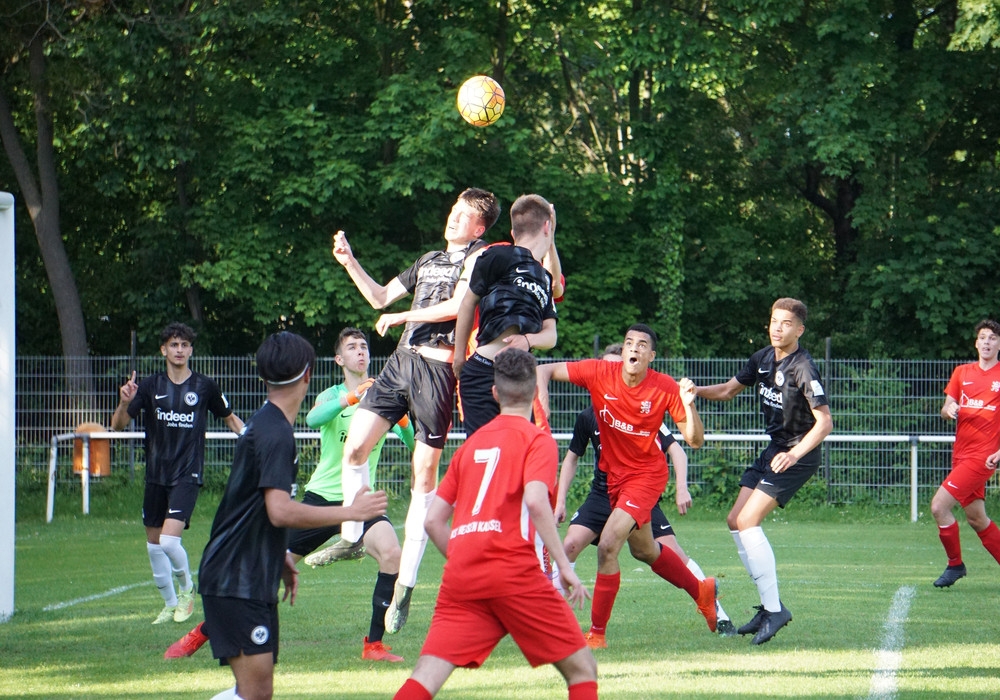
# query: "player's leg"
578, 537
154, 511
772, 614
245, 635
180, 508
942, 507
989, 534
428, 676
613, 538
366, 429
254, 676
580, 671
383, 545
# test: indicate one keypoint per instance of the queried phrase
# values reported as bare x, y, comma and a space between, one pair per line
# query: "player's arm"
290, 577
126, 393
446, 310
234, 423
691, 427
546, 373
545, 339
377, 295
721, 392
567, 472
536, 499
679, 461
551, 262
949, 411
437, 524
284, 511
463, 328
810, 441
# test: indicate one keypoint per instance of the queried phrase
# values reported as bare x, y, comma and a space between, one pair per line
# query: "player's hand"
290, 575
952, 411
341, 249
993, 460
128, 390
782, 461
576, 594
559, 512
517, 340
369, 504
688, 391
355, 396
387, 321
683, 499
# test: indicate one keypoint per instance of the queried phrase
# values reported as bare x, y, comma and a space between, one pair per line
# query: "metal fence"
892, 398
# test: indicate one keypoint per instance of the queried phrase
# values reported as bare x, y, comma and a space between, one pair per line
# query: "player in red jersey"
631, 401
972, 398
499, 488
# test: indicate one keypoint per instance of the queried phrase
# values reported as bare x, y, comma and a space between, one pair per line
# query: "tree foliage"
704, 158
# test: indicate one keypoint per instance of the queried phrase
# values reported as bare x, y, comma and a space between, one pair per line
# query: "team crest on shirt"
191, 398
259, 635
645, 406
995, 386
779, 378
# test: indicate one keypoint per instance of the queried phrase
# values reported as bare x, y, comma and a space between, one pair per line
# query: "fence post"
914, 441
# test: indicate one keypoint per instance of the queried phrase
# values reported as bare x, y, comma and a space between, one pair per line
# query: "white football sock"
162, 576
229, 694
171, 546
415, 538
353, 477
741, 550
693, 567
762, 567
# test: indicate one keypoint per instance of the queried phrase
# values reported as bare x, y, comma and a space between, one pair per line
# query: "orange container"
100, 451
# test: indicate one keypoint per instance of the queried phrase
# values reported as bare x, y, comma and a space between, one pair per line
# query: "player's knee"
356, 454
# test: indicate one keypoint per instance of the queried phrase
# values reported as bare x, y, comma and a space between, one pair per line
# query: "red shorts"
637, 494
967, 480
541, 622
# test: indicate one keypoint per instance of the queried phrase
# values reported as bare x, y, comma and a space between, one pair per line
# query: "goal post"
7, 387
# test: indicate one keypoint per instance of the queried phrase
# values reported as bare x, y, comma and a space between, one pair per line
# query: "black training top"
513, 289
245, 554
175, 417
788, 391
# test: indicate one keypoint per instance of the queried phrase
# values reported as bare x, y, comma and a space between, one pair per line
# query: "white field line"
96, 596
889, 656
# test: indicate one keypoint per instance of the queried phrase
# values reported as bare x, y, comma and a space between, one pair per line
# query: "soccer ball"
480, 100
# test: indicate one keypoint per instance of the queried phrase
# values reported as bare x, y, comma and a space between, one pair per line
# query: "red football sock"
583, 691
669, 567
952, 545
412, 690
991, 540
605, 592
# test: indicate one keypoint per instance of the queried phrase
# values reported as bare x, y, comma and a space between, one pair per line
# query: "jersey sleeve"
326, 408
483, 272
811, 385
408, 277
954, 388
218, 404
277, 459
581, 434
747, 376
582, 372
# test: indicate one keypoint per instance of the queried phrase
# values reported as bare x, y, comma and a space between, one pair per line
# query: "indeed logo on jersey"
770, 397
175, 419
477, 526
535, 289
621, 426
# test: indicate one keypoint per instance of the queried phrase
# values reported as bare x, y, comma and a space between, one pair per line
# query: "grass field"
85, 600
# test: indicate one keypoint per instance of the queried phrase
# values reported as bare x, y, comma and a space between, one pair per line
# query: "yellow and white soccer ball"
480, 100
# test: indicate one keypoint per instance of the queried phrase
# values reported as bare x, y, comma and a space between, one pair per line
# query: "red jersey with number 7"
978, 395
492, 544
629, 418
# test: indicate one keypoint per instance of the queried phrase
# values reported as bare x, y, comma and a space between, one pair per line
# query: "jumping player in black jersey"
246, 558
418, 377
797, 417
513, 293
175, 406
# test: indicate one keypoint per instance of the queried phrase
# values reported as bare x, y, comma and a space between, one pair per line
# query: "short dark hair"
284, 357
177, 330
485, 203
612, 349
528, 215
793, 305
514, 377
643, 328
990, 324
348, 332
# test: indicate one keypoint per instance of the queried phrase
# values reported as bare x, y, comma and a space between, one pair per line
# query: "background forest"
190, 160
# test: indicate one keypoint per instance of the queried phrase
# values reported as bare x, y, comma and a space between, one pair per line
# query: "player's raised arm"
691, 427
463, 328
379, 296
126, 393
720, 392
546, 373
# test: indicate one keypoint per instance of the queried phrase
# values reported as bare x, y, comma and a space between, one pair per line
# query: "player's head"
284, 360
612, 352
181, 331
988, 339
787, 324
530, 216
351, 351
473, 214
177, 344
638, 350
514, 379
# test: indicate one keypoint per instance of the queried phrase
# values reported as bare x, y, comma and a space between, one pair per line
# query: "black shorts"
425, 388
240, 626
475, 389
175, 502
781, 487
596, 510
303, 542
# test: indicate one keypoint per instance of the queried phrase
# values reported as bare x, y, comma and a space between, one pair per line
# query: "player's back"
492, 538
